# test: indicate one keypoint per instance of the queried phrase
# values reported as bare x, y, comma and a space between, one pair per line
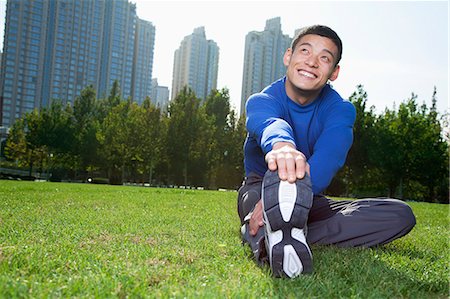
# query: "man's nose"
311, 61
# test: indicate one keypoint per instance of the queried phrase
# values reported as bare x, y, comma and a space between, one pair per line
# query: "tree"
187, 138
430, 151
233, 164
217, 108
152, 135
86, 114
16, 144
113, 140
107, 104
409, 150
357, 174
57, 134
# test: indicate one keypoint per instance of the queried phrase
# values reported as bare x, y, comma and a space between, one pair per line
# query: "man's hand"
291, 163
256, 220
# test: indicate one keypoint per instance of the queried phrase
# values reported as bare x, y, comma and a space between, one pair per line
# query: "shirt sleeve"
265, 121
331, 148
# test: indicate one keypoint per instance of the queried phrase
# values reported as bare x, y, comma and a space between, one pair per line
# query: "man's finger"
300, 166
271, 162
291, 168
281, 165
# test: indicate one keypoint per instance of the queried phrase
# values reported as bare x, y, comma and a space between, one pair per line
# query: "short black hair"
322, 31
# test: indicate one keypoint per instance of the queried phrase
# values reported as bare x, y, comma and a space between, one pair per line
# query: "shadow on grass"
362, 273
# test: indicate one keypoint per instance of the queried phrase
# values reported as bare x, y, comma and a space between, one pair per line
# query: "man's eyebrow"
305, 44
326, 50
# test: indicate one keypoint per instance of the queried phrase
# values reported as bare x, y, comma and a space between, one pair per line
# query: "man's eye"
304, 51
326, 58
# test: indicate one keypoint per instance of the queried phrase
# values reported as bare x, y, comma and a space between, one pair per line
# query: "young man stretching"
299, 134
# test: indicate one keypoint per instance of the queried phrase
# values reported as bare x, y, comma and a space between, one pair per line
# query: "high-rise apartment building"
196, 64
55, 48
160, 94
263, 58
117, 50
143, 60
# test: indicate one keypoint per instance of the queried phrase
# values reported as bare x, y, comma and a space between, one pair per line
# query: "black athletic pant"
364, 222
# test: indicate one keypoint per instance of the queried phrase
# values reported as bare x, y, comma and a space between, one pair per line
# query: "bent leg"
365, 222
248, 196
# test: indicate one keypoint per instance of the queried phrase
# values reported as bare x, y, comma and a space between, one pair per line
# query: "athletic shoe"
256, 243
286, 207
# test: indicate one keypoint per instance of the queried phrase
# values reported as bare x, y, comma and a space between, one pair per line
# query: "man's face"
311, 64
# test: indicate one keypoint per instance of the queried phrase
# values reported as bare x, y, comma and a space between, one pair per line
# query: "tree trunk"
185, 173
123, 172
430, 193
400, 189
150, 176
31, 164
392, 188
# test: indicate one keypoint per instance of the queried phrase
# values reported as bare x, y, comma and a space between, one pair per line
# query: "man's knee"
406, 217
247, 203
401, 217
248, 195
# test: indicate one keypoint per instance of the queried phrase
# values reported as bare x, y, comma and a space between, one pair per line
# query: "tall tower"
263, 58
160, 94
117, 46
143, 60
55, 48
196, 64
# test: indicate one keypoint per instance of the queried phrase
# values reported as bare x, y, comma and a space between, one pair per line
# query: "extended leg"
365, 222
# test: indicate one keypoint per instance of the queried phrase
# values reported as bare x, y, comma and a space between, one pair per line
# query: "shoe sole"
285, 208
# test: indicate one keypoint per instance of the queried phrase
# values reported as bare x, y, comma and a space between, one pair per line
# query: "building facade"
196, 64
117, 47
143, 60
160, 94
55, 48
263, 58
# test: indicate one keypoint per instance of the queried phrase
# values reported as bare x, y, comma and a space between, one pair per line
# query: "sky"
392, 48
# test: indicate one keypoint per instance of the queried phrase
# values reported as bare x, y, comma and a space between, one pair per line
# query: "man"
299, 134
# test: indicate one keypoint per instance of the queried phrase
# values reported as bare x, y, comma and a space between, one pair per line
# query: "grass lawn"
79, 240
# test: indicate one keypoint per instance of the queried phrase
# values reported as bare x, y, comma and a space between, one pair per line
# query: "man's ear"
287, 57
335, 73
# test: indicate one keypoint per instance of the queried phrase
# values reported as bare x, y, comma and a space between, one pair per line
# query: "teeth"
306, 74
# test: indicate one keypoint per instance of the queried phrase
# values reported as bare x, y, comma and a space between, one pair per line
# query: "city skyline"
54, 49
389, 59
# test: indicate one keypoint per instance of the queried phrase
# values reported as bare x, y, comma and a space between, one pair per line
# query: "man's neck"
300, 96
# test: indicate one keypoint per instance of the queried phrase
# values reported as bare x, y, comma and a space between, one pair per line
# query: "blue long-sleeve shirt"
322, 130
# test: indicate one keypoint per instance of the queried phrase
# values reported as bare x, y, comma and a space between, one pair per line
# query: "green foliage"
123, 141
16, 144
147, 137
86, 124
113, 137
188, 139
84, 241
398, 153
223, 121
41, 135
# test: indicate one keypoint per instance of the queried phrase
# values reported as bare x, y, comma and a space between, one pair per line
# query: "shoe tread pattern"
298, 220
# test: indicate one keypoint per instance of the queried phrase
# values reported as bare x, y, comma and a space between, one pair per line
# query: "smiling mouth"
307, 74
